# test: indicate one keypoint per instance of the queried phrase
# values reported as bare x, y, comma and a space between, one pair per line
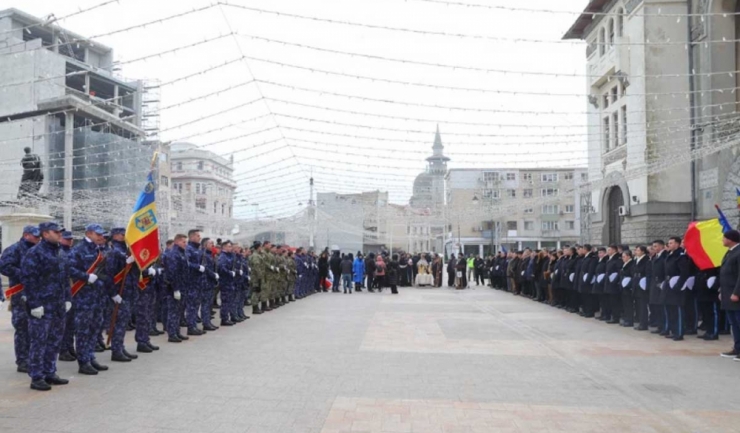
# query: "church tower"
429, 186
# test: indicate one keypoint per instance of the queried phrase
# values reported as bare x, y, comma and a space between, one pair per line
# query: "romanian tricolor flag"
737, 192
142, 233
703, 241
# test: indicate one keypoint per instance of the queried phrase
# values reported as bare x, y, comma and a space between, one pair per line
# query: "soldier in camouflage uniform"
257, 272
292, 277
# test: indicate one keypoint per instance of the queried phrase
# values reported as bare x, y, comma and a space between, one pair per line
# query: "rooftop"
578, 29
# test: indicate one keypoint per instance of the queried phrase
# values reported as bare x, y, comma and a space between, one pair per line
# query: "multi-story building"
60, 97
202, 187
164, 192
513, 208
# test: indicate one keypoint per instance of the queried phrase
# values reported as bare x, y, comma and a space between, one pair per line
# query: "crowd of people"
65, 296
655, 287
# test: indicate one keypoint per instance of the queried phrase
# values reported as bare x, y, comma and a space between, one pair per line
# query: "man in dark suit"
676, 275
729, 286
657, 273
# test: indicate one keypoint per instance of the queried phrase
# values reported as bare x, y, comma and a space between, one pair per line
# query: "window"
570, 225
584, 177
223, 209
569, 208
624, 124
568, 176
511, 225
620, 23
527, 193
200, 203
200, 165
511, 193
607, 135
611, 32
510, 176
491, 176
215, 207
529, 210
197, 188
528, 226
527, 176
550, 192
548, 226
605, 101
203, 188
492, 193
613, 136
165, 181
550, 209
549, 177
602, 41
614, 94
178, 166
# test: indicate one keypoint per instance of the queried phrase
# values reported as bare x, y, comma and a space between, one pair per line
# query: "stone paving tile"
428, 360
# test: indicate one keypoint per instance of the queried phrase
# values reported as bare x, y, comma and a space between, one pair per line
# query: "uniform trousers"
733, 318
206, 299
641, 303
68, 340
45, 341
192, 302
19, 320
174, 310
88, 320
628, 307
122, 319
675, 315
691, 309
145, 314
227, 302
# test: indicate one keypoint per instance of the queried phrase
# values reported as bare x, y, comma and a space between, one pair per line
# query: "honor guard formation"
66, 296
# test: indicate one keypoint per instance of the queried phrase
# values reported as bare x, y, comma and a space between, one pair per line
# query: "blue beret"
97, 228
50, 226
32, 230
117, 231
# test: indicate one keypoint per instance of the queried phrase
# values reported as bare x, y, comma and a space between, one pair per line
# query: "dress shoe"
241, 319
66, 356
657, 331
143, 348
664, 333
151, 346
209, 327
227, 323
99, 348
174, 340
612, 322
40, 385
132, 356
153, 333
56, 380
130, 327
97, 366
195, 331
731, 354
628, 324
710, 337
680, 338
87, 369
119, 357
641, 328
182, 337
22, 368
183, 323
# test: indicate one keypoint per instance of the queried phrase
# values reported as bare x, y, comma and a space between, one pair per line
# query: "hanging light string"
52, 19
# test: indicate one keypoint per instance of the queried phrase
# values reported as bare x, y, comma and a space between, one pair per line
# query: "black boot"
227, 323
56, 380
67, 356
143, 348
256, 309
174, 340
119, 357
182, 337
130, 355
88, 370
97, 366
40, 385
151, 346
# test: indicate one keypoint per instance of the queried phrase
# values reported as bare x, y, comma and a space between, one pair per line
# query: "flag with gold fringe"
142, 232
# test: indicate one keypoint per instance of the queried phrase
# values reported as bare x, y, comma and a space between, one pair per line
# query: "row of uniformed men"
64, 297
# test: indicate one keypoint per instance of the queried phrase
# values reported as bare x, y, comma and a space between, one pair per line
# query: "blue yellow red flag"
142, 232
737, 192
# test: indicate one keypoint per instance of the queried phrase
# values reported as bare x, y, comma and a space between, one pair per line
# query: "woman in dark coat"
323, 270
451, 271
403, 270
370, 271
335, 264
392, 274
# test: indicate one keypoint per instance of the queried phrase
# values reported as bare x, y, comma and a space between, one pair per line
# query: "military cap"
32, 230
266, 243
733, 235
117, 231
97, 228
256, 244
66, 234
50, 226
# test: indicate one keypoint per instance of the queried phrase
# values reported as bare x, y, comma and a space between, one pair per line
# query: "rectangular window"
197, 188
548, 226
550, 209
178, 166
491, 176
511, 225
569, 208
510, 176
492, 193
528, 226
529, 210
615, 130
204, 188
615, 94
511, 193
550, 192
528, 193
527, 176
605, 101
215, 207
549, 177
568, 176
584, 177
570, 225
200, 203
607, 134
165, 181
624, 125
200, 165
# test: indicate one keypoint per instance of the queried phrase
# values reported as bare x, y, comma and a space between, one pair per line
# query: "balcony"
616, 58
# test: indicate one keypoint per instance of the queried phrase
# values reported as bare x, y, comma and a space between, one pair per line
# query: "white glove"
152, 272
117, 299
129, 260
92, 278
272, 267
202, 268
233, 274
2, 302
38, 312
160, 271
216, 276
249, 278
177, 295
241, 272
67, 306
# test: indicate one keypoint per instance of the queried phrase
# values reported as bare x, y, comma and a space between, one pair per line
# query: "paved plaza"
427, 360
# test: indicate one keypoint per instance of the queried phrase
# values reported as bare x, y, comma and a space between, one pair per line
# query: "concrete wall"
24, 67
30, 132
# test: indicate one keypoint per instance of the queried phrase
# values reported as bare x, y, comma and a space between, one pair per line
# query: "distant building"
202, 191
352, 222
59, 96
542, 215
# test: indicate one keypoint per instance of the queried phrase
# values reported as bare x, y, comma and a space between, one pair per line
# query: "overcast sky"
286, 136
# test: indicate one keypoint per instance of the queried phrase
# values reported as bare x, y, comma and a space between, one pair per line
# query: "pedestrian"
729, 283
380, 268
209, 284
45, 280
451, 271
226, 277
641, 286
393, 269
346, 269
67, 352
358, 271
323, 270
676, 276
626, 275
335, 265
370, 272
658, 314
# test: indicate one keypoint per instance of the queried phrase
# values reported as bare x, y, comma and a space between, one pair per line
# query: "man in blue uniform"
68, 352
88, 296
45, 278
227, 276
10, 266
145, 320
125, 277
196, 281
209, 285
176, 278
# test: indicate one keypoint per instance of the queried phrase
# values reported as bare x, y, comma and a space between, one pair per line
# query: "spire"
438, 148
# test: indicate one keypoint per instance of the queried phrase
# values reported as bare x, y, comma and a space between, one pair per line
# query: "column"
68, 169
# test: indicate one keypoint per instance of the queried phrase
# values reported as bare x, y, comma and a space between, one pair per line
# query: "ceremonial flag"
726, 227
703, 241
737, 192
142, 232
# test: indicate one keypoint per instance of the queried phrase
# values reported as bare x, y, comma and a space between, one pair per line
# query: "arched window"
611, 32
602, 41
620, 22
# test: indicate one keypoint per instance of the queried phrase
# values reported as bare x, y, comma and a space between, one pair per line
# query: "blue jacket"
176, 270
227, 264
115, 262
358, 269
44, 276
83, 255
10, 262
211, 271
195, 261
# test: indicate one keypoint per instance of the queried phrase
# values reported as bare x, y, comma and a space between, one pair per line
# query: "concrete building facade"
202, 189
513, 208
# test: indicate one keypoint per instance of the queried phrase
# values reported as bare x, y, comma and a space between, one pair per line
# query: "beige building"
202, 188
514, 208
